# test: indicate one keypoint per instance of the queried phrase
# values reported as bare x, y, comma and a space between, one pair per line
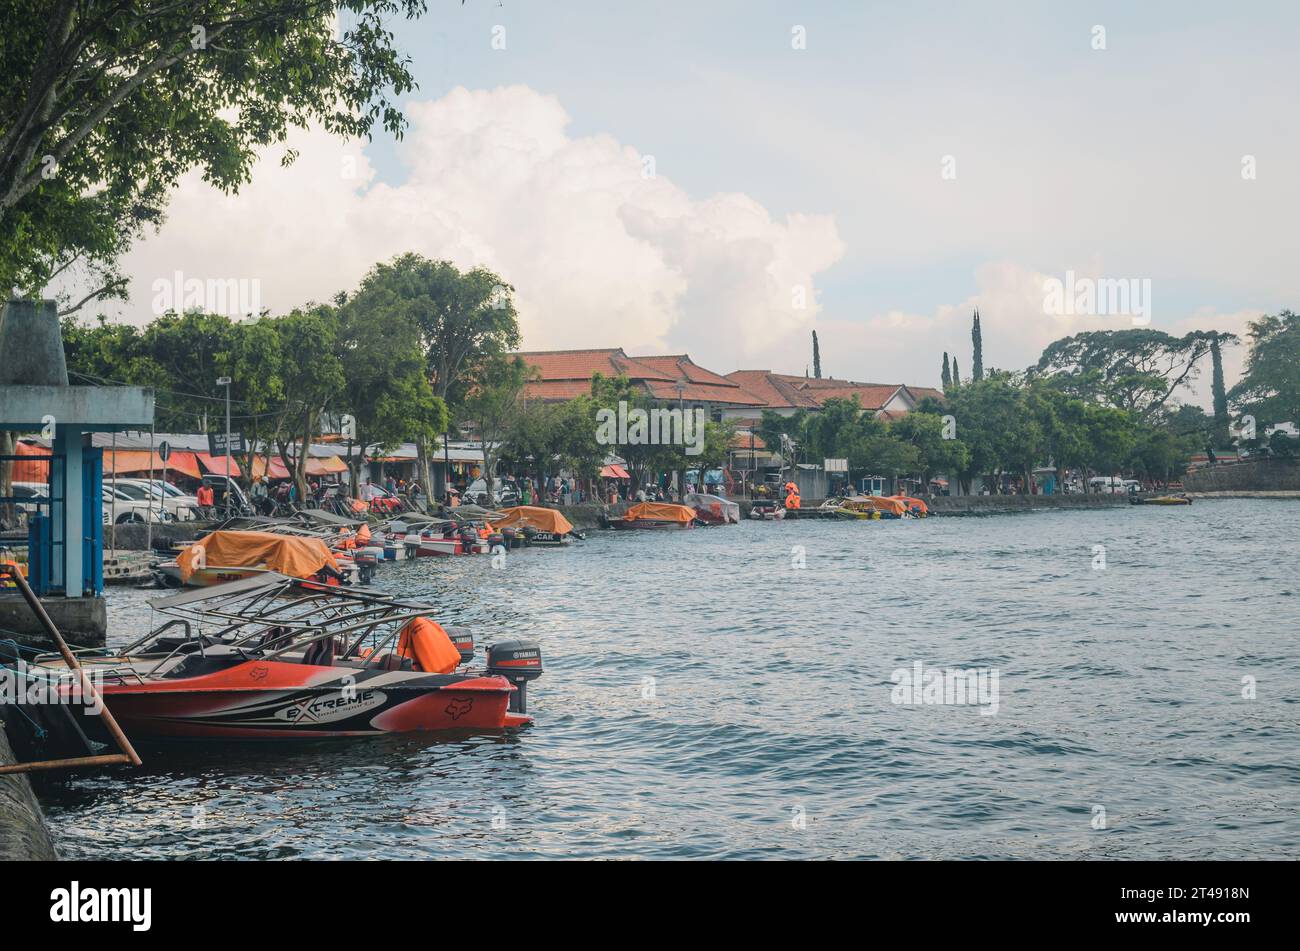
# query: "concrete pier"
83, 622
24, 836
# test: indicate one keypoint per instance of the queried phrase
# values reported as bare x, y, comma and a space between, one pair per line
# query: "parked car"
182, 507
504, 491
1107, 485
30, 490
121, 509
239, 501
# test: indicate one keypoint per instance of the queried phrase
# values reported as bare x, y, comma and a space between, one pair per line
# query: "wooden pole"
129, 754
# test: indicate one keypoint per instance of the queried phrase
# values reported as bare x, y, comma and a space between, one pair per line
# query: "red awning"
217, 466
614, 471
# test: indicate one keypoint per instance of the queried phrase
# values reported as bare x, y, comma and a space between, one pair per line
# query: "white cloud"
600, 254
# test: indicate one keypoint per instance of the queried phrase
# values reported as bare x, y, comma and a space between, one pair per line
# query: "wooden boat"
1160, 500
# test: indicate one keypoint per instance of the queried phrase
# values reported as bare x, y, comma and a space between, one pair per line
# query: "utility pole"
225, 381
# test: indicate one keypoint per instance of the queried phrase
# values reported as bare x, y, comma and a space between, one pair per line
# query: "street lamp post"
225, 381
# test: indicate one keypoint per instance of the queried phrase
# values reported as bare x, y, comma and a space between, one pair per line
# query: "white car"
181, 506
121, 509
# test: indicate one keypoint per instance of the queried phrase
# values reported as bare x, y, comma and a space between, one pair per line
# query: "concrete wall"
134, 537
1007, 504
23, 834
1252, 475
82, 621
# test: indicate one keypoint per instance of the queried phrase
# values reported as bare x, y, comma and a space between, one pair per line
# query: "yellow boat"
1162, 500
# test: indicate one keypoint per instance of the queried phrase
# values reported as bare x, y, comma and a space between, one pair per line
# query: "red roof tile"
772, 390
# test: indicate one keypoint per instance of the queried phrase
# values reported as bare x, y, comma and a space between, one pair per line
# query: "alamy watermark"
1098, 297
224, 296
918, 685
655, 427
22, 685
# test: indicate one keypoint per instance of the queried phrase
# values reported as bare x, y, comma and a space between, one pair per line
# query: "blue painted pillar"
68, 567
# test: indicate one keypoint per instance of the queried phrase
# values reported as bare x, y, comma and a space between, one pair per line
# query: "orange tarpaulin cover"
661, 511
217, 464
614, 471
287, 554
131, 460
911, 502
544, 520
880, 502
427, 643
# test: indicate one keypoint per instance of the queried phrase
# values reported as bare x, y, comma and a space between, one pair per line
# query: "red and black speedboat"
273, 657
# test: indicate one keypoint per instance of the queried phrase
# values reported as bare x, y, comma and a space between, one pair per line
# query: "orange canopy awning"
912, 502
326, 465
38, 470
131, 460
272, 468
542, 519
660, 511
217, 464
614, 471
287, 554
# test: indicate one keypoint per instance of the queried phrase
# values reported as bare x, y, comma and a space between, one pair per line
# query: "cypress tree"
1221, 428
956, 377
817, 358
977, 340
947, 373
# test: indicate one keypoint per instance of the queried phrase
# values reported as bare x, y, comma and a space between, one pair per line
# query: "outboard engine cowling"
463, 640
518, 662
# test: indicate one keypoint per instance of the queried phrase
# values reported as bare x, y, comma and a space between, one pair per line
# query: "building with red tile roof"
564, 374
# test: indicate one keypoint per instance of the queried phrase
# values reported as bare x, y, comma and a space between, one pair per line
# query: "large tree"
1137, 369
1270, 388
105, 105
495, 395
464, 319
386, 387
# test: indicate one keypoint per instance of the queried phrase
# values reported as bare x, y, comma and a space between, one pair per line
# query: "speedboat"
223, 556
653, 515
712, 509
766, 509
535, 525
1160, 500
915, 506
274, 657
452, 538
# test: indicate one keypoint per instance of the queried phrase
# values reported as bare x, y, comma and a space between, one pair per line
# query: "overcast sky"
672, 176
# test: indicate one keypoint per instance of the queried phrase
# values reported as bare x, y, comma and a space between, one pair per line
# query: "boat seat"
392, 662
320, 653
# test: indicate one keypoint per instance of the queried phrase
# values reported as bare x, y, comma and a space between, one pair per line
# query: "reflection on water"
706, 698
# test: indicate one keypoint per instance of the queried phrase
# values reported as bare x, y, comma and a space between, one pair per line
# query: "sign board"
217, 444
836, 465
164, 451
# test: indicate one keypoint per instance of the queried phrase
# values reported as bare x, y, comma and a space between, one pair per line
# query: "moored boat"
712, 509
654, 515
223, 556
273, 657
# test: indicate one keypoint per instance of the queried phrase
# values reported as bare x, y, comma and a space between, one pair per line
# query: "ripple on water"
704, 698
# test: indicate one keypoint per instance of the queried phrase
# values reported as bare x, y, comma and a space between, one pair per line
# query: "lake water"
705, 696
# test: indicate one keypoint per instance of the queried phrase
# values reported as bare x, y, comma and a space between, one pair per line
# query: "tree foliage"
106, 105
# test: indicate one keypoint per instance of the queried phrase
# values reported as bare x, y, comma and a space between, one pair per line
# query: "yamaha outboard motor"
463, 640
518, 662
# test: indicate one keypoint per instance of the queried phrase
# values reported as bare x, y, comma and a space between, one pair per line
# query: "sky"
723, 178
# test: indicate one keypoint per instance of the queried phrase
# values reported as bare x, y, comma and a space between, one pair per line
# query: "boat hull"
375, 703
